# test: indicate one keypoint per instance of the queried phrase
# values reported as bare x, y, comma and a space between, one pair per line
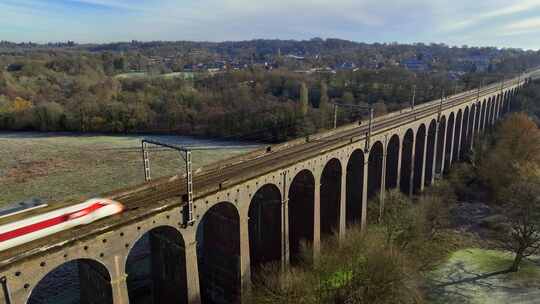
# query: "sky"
500, 23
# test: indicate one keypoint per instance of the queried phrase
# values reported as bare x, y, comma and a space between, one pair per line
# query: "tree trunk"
517, 262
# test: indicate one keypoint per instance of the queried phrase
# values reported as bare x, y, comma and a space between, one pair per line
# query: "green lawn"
520, 287
60, 166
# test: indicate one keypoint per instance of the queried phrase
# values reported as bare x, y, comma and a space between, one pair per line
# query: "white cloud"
218, 20
526, 26
475, 17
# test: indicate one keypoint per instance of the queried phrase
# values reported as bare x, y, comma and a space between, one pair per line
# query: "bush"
398, 219
363, 268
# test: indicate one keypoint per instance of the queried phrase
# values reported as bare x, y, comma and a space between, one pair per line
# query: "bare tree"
522, 212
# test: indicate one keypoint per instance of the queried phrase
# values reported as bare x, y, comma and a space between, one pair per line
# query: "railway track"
176, 188
164, 193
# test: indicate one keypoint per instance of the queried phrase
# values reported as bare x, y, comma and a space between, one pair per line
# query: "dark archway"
504, 103
430, 151
449, 141
375, 174
406, 161
156, 268
440, 146
465, 128
375, 169
493, 111
419, 158
392, 159
79, 281
355, 186
458, 138
301, 213
499, 106
330, 197
489, 113
265, 227
478, 110
218, 254
472, 122
483, 110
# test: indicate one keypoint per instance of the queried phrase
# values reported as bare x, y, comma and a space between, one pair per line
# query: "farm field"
55, 166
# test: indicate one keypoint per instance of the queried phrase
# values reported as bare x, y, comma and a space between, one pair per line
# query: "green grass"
59, 166
518, 287
338, 279
485, 261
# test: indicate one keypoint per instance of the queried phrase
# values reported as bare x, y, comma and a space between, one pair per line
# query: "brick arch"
218, 253
97, 273
439, 158
430, 151
450, 128
407, 152
392, 153
330, 196
301, 212
164, 246
458, 127
355, 187
264, 226
375, 172
419, 166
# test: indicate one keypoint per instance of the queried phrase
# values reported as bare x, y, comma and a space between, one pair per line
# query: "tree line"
78, 91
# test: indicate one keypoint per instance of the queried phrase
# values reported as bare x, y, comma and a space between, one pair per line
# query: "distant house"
415, 65
475, 63
348, 66
295, 57
480, 62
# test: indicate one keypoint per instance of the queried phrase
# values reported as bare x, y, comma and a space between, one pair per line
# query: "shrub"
363, 268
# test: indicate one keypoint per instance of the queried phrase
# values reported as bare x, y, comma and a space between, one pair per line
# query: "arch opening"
218, 254
82, 281
355, 186
392, 159
330, 197
264, 227
301, 214
489, 114
449, 142
478, 110
458, 138
419, 158
375, 169
430, 152
406, 161
465, 129
156, 268
483, 110
375, 173
440, 146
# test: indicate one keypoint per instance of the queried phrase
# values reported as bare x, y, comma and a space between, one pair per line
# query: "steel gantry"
361, 107
186, 154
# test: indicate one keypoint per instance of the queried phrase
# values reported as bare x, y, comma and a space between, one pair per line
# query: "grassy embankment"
54, 167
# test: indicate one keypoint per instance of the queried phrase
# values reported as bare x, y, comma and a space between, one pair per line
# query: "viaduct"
251, 209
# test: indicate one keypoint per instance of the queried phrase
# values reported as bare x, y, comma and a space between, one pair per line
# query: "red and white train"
38, 226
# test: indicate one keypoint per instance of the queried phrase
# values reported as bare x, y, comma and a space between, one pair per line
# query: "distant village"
305, 57
421, 63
